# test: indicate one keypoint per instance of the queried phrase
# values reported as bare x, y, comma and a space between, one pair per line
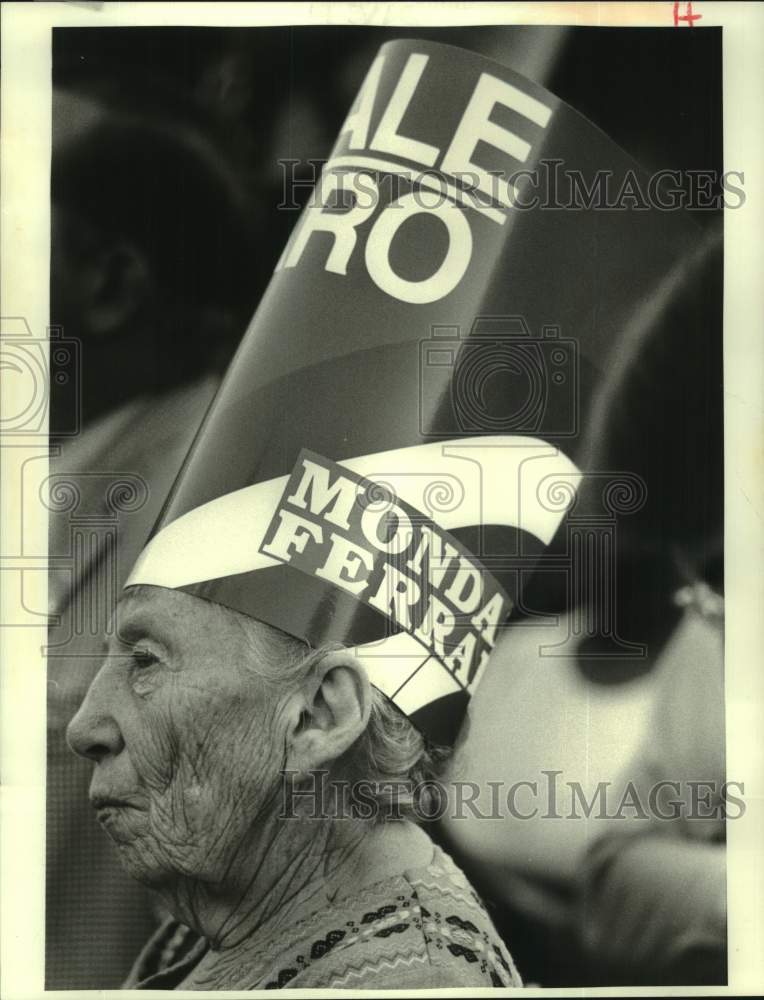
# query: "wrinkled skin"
189, 740
185, 737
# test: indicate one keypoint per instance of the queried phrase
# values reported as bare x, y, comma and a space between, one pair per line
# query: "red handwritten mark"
688, 17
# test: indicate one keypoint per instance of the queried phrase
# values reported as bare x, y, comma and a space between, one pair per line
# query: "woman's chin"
143, 867
137, 851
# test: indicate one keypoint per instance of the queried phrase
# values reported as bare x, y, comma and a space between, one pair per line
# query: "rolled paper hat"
395, 442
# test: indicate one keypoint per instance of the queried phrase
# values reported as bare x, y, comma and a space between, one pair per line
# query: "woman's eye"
144, 657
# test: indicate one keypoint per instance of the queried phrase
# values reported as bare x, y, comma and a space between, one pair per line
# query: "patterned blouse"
423, 929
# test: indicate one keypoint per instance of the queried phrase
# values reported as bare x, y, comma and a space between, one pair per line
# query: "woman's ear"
330, 711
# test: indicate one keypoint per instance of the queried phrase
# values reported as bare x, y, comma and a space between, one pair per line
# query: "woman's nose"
93, 732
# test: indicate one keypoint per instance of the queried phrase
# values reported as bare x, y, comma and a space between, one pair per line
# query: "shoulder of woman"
457, 927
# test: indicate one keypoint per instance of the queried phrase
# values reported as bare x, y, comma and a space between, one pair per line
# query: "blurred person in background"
598, 900
152, 263
653, 889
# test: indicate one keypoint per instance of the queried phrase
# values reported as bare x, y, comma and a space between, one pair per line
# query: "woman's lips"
104, 802
119, 818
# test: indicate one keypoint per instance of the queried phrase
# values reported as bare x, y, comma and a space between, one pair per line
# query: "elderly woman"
206, 729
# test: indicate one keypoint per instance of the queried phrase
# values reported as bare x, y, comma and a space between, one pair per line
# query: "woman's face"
184, 736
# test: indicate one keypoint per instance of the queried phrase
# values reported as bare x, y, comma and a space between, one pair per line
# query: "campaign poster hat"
395, 443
